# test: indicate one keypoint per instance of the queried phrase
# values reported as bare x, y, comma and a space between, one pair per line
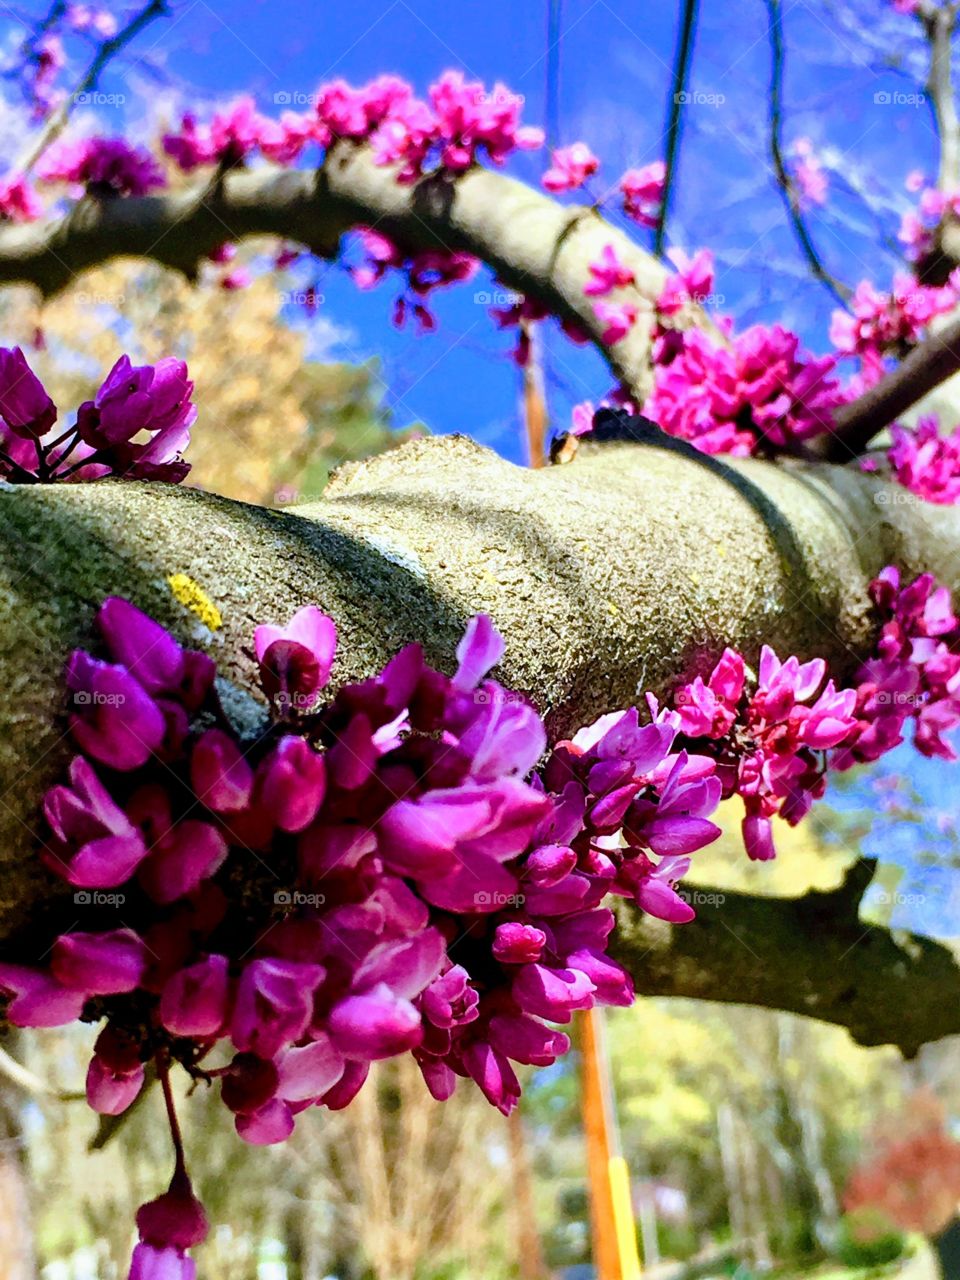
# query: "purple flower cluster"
103, 167
760, 393
136, 426
924, 461
359, 878
424, 271
774, 744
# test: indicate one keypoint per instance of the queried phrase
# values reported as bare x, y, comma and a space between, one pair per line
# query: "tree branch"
785, 183
939, 22
683, 55
106, 51
624, 571
855, 425
810, 955
534, 244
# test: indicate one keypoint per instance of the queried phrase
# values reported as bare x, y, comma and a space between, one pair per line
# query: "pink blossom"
762, 389
643, 191
104, 166
693, 281
25, 407
925, 462
37, 998
608, 273
570, 168
195, 1000
19, 201
295, 660
617, 320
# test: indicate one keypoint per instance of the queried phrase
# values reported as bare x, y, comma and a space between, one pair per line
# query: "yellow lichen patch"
193, 596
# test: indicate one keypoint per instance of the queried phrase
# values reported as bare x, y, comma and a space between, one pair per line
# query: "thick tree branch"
623, 571
533, 243
809, 955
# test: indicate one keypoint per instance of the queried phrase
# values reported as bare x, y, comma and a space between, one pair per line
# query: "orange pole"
597, 1125
614, 1230
534, 400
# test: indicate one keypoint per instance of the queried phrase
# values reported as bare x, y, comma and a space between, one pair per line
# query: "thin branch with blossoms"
88, 81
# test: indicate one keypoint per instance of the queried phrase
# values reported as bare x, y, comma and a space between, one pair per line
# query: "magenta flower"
19, 201
608, 273
295, 660
642, 191
181, 859
693, 281
195, 1000
113, 718
308, 1072
291, 783
375, 1024
104, 166
25, 407
152, 398
37, 999
570, 168
274, 1005
96, 846
110, 1091
100, 964
219, 773
617, 320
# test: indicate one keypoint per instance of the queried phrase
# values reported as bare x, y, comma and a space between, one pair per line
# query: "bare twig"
785, 183
682, 57
32, 1084
57, 121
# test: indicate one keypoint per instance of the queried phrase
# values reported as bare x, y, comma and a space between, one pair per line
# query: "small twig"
785, 183
682, 58
32, 1084
89, 80
856, 424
